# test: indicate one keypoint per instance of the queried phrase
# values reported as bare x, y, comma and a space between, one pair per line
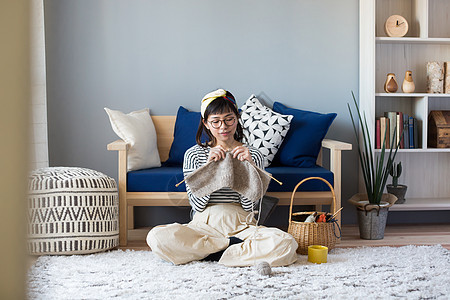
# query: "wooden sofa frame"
164, 126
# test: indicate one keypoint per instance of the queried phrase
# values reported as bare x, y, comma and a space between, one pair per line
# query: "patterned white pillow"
264, 128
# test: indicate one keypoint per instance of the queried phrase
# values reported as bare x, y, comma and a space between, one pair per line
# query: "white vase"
408, 85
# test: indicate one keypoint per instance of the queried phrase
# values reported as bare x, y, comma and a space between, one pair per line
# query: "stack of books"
397, 123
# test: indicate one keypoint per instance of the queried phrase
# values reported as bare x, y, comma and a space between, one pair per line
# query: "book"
400, 131
392, 116
416, 134
405, 131
397, 131
411, 132
384, 132
377, 134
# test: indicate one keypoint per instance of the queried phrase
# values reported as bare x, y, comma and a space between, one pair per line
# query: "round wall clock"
396, 26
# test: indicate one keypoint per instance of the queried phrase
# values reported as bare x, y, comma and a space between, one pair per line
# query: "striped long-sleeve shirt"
197, 156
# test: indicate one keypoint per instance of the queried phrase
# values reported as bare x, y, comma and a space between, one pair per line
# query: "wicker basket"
307, 234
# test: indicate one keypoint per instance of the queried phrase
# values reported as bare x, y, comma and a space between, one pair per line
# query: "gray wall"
128, 55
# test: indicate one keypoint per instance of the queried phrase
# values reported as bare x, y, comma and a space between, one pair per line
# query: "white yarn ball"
263, 268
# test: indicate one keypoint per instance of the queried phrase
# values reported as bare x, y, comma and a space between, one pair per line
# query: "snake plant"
375, 170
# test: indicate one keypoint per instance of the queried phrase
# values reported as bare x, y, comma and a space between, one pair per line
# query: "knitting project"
243, 177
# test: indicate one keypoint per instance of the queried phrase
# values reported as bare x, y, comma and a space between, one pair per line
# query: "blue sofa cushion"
302, 143
163, 179
186, 126
290, 176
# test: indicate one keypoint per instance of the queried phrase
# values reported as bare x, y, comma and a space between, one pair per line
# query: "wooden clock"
396, 26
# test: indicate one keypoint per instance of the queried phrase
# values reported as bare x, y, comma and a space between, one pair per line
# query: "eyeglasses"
216, 124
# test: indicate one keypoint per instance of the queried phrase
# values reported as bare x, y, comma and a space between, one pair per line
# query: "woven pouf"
72, 211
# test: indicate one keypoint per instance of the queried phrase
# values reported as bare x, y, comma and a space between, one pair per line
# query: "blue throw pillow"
186, 126
302, 143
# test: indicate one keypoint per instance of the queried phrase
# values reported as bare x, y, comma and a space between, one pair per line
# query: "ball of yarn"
263, 268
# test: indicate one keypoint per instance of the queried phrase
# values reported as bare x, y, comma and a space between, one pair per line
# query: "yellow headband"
210, 97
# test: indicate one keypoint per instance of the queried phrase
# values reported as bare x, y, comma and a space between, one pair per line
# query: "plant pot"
399, 191
371, 217
372, 223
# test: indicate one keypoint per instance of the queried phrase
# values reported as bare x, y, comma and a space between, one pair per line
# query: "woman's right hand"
216, 153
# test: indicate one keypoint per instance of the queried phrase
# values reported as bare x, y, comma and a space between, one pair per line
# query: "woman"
221, 229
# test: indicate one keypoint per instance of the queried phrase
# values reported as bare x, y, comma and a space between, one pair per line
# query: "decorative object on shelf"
390, 86
399, 190
408, 85
435, 77
439, 129
447, 77
372, 207
396, 26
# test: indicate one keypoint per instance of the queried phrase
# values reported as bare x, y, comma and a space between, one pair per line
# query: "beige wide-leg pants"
208, 233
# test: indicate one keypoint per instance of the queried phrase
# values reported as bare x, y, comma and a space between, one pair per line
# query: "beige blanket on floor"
241, 176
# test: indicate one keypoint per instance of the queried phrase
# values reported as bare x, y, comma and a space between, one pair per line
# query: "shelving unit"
426, 171
412, 40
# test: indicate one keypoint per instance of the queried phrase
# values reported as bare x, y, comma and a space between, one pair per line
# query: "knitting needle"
279, 182
176, 185
336, 212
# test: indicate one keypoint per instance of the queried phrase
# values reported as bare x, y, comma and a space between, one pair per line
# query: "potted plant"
399, 190
372, 207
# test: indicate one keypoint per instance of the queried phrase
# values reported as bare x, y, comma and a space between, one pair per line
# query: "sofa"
156, 186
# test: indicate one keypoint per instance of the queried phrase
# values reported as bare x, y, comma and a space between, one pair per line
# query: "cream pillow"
136, 129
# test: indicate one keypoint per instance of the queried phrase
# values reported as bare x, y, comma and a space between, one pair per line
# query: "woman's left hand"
242, 153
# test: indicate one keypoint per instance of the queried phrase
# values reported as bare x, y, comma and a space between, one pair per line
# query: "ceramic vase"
390, 86
408, 84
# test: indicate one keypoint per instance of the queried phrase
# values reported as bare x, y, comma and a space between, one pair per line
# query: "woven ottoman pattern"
72, 211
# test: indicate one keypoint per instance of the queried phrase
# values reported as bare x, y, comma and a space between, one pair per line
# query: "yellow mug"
317, 254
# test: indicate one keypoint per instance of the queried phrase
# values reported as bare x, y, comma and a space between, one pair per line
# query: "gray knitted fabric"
241, 176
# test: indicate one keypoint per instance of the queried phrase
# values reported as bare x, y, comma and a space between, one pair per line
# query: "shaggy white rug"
411, 272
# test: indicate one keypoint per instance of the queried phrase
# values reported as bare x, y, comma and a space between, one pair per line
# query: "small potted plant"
396, 189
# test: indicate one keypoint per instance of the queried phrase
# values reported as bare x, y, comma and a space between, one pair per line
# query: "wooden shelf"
419, 150
412, 40
412, 95
414, 204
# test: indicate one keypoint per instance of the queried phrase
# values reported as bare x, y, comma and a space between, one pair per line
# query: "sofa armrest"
336, 147
122, 147
335, 156
118, 145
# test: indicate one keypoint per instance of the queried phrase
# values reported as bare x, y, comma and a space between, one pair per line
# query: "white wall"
129, 55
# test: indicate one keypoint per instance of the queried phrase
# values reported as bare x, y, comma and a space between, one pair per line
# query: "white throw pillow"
136, 129
264, 128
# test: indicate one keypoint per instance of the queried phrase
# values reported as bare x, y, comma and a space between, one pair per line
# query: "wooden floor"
395, 235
